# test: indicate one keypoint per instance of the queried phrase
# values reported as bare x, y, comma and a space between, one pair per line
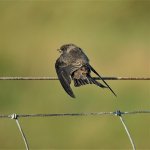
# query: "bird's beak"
59, 50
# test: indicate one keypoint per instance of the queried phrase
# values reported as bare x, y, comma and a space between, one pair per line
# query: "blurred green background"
116, 37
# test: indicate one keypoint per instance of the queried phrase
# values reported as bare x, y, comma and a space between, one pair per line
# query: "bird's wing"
92, 69
64, 78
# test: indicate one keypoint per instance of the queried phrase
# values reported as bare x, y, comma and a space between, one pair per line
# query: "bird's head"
66, 48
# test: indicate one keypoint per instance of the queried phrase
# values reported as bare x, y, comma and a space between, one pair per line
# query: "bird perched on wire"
74, 65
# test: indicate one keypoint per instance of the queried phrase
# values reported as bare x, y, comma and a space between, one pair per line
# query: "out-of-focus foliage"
116, 37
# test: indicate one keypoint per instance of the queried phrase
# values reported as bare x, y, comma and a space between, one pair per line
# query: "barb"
55, 78
15, 116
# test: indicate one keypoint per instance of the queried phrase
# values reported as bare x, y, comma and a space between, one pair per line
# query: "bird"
73, 64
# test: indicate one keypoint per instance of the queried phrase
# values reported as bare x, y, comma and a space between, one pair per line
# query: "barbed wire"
116, 113
55, 78
77, 114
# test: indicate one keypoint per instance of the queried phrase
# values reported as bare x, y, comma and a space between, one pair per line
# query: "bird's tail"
102, 79
87, 80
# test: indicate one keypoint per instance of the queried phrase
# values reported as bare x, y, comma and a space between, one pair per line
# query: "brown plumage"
74, 64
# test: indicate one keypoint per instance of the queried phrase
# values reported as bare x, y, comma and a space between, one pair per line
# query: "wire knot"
118, 113
14, 116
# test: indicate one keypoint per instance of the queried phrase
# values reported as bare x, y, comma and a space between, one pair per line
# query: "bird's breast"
81, 73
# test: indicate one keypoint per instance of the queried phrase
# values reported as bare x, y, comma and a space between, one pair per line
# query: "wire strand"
22, 134
55, 78
77, 114
128, 133
15, 117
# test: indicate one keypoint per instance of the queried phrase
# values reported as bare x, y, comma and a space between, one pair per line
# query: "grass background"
114, 34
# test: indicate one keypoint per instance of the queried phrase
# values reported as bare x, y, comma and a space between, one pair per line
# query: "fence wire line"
55, 78
76, 114
116, 113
